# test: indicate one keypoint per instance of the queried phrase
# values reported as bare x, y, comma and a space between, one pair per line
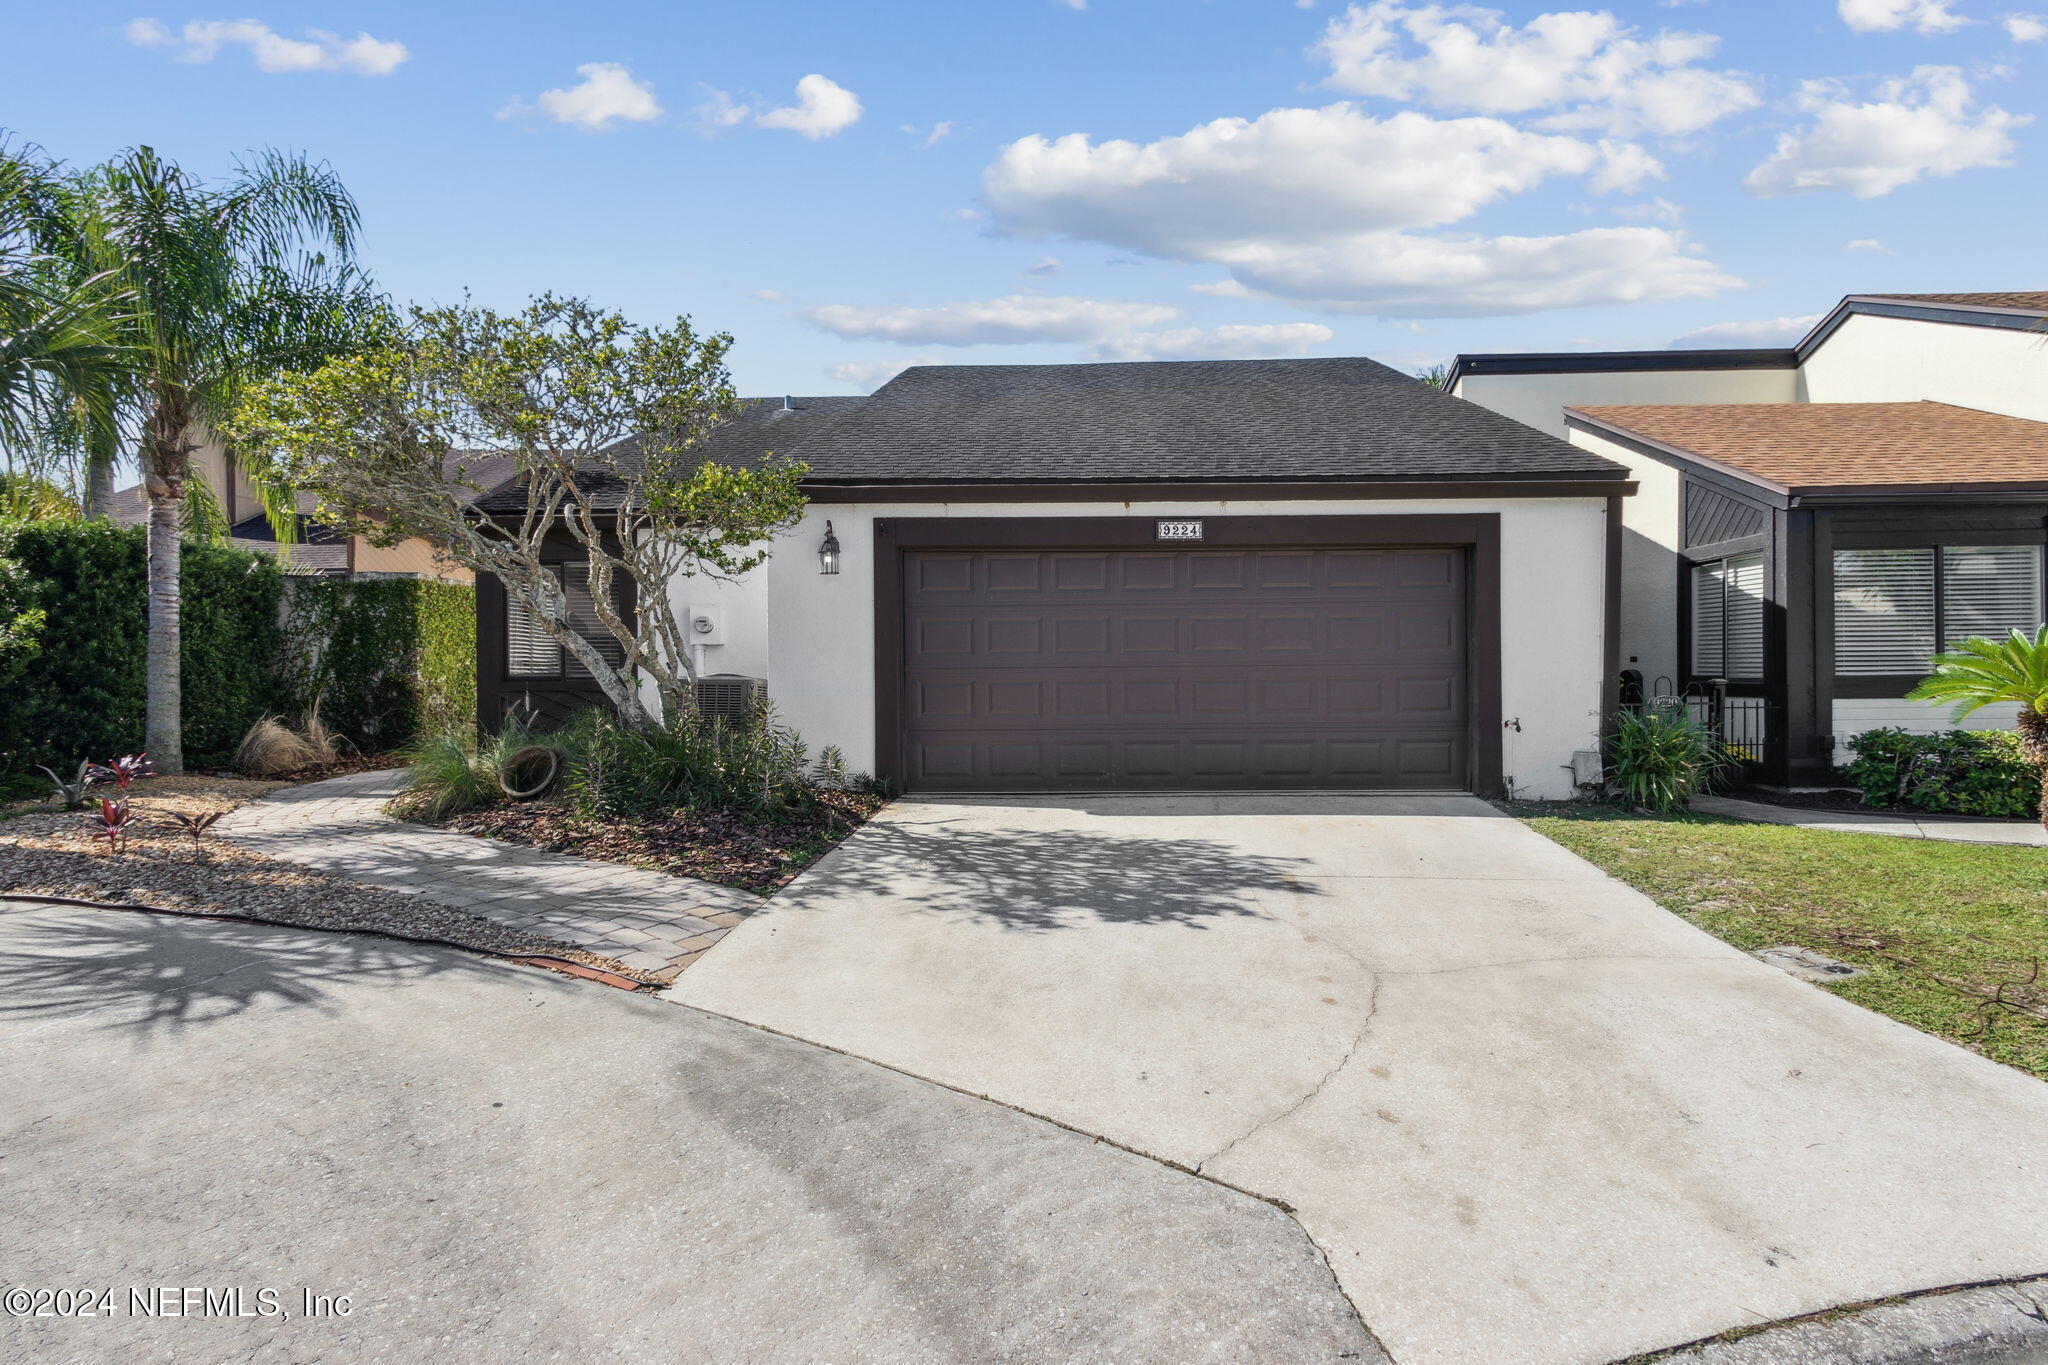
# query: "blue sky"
849, 188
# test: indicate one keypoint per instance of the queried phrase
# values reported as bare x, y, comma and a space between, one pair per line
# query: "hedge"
1961, 772
384, 659
78, 688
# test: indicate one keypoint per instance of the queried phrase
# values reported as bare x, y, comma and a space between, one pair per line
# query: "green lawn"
1935, 926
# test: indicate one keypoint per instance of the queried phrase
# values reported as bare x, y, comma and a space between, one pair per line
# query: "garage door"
1177, 670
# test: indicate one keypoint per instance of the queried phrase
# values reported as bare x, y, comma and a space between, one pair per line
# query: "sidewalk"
647, 920
1898, 826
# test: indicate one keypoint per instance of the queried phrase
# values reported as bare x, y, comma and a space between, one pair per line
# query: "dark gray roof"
1194, 421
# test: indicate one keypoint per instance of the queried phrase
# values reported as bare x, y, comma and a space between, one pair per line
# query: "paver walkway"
650, 921
1856, 822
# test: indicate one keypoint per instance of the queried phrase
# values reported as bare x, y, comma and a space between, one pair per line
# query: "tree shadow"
157, 975
1043, 879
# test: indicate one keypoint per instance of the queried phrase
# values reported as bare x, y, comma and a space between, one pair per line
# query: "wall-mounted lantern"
828, 552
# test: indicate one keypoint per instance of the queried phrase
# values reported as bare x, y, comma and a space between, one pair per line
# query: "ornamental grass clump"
451, 771
1659, 758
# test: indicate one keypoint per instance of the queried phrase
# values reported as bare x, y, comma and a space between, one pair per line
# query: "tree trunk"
2033, 728
99, 488
163, 728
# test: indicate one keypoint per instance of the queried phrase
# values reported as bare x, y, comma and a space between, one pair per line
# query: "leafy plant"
753, 763
111, 823
1659, 758
197, 825
125, 771
1963, 772
451, 771
1982, 672
72, 793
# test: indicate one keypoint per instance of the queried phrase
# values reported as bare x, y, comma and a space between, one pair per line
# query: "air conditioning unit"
730, 695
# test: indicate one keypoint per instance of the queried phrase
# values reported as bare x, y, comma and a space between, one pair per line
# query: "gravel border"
53, 855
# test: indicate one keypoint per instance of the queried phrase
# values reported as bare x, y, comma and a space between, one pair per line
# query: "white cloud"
200, 40
1260, 341
1222, 289
2026, 28
1299, 174
1655, 210
1624, 166
1584, 69
869, 375
1870, 244
1742, 335
1073, 4
1017, 318
1916, 125
1044, 265
1888, 16
607, 92
1320, 206
1403, 275
823, 108
766, 295
931, 136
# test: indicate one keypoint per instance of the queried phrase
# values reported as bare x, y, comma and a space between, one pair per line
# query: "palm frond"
1984, 672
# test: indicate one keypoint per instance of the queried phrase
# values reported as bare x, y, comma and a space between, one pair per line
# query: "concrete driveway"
495, 1164
1529, 1116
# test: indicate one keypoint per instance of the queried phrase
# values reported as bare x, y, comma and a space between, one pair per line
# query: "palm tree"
63, 352
224, 291
1981, 672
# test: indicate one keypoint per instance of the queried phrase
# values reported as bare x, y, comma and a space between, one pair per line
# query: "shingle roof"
1187, 421
1815, 447
2031, 301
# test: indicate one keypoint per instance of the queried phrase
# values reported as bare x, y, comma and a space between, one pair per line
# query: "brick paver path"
647, 920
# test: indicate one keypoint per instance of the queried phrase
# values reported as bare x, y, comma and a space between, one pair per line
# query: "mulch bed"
49, 852
713, 846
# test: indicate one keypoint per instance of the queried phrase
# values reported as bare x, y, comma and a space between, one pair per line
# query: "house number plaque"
1178, 530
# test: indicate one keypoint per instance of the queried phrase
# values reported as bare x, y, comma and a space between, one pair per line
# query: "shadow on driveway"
157, 975
1039, 876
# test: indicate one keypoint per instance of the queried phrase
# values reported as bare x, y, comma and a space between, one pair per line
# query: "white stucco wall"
1854, 715
1540, 399
1899, 360
821, 629
1652, 532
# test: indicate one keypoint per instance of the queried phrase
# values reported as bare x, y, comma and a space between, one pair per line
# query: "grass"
1936, 927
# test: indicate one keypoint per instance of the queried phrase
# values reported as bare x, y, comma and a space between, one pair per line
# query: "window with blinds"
1895, 608
1728, 618
531, 653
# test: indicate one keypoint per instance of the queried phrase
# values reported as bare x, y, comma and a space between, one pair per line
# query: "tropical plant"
558, 388
1659, 758
222, 284
1438, 377
197, 826
451, 771
111, 822
1983, 672
1964, 772
72, 793
64, 349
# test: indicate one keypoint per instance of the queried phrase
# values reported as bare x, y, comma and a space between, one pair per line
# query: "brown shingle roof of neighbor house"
1843, 447
2028, 301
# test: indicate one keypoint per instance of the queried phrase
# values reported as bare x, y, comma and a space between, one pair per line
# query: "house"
316, 549
1170, 576
1813, 522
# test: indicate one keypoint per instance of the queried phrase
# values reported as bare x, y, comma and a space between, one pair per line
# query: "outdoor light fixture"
828, 552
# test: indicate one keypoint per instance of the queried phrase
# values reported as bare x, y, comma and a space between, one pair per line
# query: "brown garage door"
1175, 670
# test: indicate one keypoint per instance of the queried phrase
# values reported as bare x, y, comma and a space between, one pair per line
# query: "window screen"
1892, 606
1989, 590
1728, 618
530, 653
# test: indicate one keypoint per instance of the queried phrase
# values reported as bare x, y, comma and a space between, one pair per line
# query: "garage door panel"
1186, 669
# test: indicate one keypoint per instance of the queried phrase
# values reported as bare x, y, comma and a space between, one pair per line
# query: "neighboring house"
1814, 522
316, 548
1233, 575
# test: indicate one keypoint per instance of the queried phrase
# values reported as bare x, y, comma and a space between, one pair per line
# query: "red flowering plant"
111, 823
123, 771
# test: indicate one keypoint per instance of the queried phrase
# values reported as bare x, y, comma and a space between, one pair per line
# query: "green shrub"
1659, 758
386, 660
1961, 772
453, 771
76, 690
